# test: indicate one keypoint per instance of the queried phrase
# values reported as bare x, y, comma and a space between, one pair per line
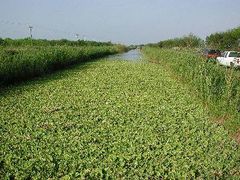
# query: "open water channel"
133, 55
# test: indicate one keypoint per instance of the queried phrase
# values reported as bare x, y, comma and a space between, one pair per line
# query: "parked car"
212, 54
230, 59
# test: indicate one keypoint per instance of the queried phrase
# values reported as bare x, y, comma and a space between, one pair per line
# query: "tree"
224, 40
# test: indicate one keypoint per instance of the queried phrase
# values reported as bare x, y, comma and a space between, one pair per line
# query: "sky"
119, 21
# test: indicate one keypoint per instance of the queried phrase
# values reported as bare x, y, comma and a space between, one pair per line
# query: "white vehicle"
230, 59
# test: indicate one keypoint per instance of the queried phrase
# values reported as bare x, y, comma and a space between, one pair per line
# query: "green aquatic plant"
111, 120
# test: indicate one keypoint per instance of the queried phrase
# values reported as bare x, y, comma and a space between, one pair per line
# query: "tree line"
189, 41
225, 40
45, 42
220, 40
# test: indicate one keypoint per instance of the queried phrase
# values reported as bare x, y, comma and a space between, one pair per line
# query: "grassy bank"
25, 58
218, 87
111, 119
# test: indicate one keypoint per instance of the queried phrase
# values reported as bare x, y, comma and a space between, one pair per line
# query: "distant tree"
224, 40
1, 41
189, 41
44, 42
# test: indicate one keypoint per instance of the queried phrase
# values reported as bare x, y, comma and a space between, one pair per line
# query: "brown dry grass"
237, 136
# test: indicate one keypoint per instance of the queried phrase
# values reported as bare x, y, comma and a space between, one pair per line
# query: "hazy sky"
124, 21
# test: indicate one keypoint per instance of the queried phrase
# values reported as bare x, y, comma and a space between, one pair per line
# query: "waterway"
133, 55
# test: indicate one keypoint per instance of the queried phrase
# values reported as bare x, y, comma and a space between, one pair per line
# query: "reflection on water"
133, 55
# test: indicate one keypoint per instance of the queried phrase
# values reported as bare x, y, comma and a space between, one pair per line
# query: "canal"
133, 55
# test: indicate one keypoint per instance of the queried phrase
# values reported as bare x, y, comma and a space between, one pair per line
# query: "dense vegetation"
190, 41
22, 59
225, 40
111, 119
45, 42
229, 40
218, 87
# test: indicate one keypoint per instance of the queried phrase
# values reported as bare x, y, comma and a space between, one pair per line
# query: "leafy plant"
111, 120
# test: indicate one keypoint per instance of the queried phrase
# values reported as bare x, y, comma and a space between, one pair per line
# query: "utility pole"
77, 36
30, 31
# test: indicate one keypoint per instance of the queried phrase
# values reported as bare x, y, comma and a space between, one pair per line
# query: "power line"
30, 27
41, 27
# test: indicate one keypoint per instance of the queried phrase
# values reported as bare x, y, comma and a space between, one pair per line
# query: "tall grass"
23, 62
218, 87
45, 42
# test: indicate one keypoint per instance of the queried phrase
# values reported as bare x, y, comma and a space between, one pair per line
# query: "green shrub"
190, 41
225, 40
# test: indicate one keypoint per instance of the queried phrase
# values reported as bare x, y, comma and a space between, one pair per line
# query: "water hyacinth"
111, 119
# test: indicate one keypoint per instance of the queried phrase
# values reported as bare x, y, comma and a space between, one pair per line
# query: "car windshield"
234, 54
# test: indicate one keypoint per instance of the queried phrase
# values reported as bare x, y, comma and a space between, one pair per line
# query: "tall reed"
217, 86
23, 62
